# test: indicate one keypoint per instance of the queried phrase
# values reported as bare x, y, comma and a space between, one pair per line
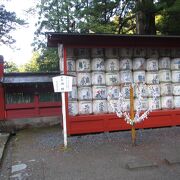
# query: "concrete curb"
141, 164
3, 140
11, 125
172, 160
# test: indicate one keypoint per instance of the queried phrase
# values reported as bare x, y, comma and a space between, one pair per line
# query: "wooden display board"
92, 123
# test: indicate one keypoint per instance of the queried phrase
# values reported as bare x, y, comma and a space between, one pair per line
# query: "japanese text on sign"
62, 83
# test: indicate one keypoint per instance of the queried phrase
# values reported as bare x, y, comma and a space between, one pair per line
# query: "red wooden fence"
11, 86
36, 109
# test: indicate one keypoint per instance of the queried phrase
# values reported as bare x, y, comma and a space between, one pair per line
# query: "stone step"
172, 160
141, 164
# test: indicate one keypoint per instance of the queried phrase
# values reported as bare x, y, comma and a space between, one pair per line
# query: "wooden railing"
32, 109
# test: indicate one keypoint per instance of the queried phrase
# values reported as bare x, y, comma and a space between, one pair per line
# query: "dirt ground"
36, 154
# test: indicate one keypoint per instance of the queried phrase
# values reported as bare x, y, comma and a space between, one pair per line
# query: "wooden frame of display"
82, 124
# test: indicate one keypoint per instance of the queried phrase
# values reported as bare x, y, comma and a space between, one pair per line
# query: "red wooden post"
2, 97
66, 94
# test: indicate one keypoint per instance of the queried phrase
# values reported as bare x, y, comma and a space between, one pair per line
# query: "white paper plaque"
62, 83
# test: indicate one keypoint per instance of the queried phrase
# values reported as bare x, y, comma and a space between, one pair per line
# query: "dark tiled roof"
109, 40
19, 78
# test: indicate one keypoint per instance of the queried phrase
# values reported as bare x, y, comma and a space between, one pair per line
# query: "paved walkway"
36, 154
3, 140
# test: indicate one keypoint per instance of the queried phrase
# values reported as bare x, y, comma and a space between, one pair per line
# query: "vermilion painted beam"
2, 99
110, 122
19, 106
2, 103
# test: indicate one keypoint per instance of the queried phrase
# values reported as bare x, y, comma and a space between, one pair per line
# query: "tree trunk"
140, 22
150, 27
145, 17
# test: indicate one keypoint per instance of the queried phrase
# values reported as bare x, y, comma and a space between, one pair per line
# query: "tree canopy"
10, 67
105, 16
101, 16
44, 62
169, 17
8, 23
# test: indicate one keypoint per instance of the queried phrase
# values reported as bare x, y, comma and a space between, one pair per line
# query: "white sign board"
62, 83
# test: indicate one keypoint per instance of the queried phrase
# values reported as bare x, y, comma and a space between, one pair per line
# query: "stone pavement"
36, 154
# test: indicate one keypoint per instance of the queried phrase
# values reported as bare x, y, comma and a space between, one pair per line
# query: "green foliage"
32, 66
169, 23
46, 62
49, 61
54, 16
8, 23
10, 66
83, 16
97, 16
107, 16
68, 16
100, 16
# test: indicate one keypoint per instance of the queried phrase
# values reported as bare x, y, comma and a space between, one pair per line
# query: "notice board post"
63, 83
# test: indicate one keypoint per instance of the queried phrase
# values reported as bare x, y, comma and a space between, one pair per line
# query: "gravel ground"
37, 154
